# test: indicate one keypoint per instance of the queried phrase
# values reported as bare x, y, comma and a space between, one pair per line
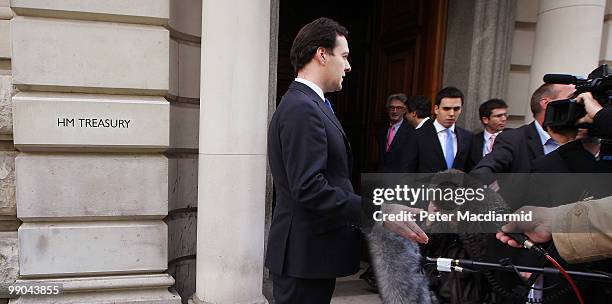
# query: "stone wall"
91, 123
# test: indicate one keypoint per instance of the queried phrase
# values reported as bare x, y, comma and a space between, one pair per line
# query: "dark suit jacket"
390, 161
513, 152
477, 146
425, 154
567, 175
313, 232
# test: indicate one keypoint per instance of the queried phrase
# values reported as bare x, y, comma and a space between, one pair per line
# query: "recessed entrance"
395, 46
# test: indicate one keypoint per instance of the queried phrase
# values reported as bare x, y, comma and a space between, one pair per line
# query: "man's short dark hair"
545, 90
487, 107
319, 33
421, 105
449, 92
399, 96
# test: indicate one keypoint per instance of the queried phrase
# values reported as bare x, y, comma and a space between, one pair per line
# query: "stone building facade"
132, 133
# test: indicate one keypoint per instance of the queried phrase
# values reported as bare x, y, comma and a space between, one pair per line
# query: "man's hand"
590, 105
407, 229
539, 230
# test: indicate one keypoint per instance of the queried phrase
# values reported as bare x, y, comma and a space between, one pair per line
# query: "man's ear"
320, 55
484, 120
544, 102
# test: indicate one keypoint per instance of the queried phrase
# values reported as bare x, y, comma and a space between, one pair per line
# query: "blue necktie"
328, 104
450, 149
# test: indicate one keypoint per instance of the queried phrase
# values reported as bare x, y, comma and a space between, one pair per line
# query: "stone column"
232, 151
478, 50
567, 41
9, 265
91, 122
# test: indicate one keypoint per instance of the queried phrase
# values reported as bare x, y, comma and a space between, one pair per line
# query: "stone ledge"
91, 186
101, 248
65, 122
126, 296
89, 55
155, 12
86, 284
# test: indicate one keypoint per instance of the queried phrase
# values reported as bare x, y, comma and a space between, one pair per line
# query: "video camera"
565, 112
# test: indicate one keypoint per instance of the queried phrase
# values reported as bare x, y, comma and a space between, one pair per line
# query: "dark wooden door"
395, 46
408, 51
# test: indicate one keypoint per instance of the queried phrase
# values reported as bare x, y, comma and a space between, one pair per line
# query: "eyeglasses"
391, 108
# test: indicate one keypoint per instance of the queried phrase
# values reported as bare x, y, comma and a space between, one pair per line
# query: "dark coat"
390, 161
513, 152
425, 154
313, 232
477, 146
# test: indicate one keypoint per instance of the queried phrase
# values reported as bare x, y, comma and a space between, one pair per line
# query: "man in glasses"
493, 115
394, 136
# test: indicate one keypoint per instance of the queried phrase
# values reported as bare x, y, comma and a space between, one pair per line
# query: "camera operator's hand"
591, 106
407, 229
539, 230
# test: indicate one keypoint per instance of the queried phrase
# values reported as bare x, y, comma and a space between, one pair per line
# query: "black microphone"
560, 79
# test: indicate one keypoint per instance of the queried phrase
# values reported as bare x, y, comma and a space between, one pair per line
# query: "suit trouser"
292, 290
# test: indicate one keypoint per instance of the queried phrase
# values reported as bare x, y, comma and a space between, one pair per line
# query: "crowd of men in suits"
413, 142
437, 144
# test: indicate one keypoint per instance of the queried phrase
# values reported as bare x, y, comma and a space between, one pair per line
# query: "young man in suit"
392, 138
313, 237
439, 144
493, 115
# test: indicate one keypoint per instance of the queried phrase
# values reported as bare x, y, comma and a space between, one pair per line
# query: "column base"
194, 300
129, 289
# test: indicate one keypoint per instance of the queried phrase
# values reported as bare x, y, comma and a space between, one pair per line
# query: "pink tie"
390, 137
490, 143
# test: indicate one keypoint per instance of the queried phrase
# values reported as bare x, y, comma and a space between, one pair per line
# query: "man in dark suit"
313, 237
514, 150
419, 111
493, 115
392, 138
439, 144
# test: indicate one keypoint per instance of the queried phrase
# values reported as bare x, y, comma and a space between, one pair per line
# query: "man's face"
396, 111
336, 65
497, 121
448, 111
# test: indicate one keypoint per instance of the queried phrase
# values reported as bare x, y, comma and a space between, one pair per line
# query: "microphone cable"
526, 243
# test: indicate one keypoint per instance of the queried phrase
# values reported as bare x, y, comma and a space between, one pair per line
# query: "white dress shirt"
313, 86
441, 131
422, 122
